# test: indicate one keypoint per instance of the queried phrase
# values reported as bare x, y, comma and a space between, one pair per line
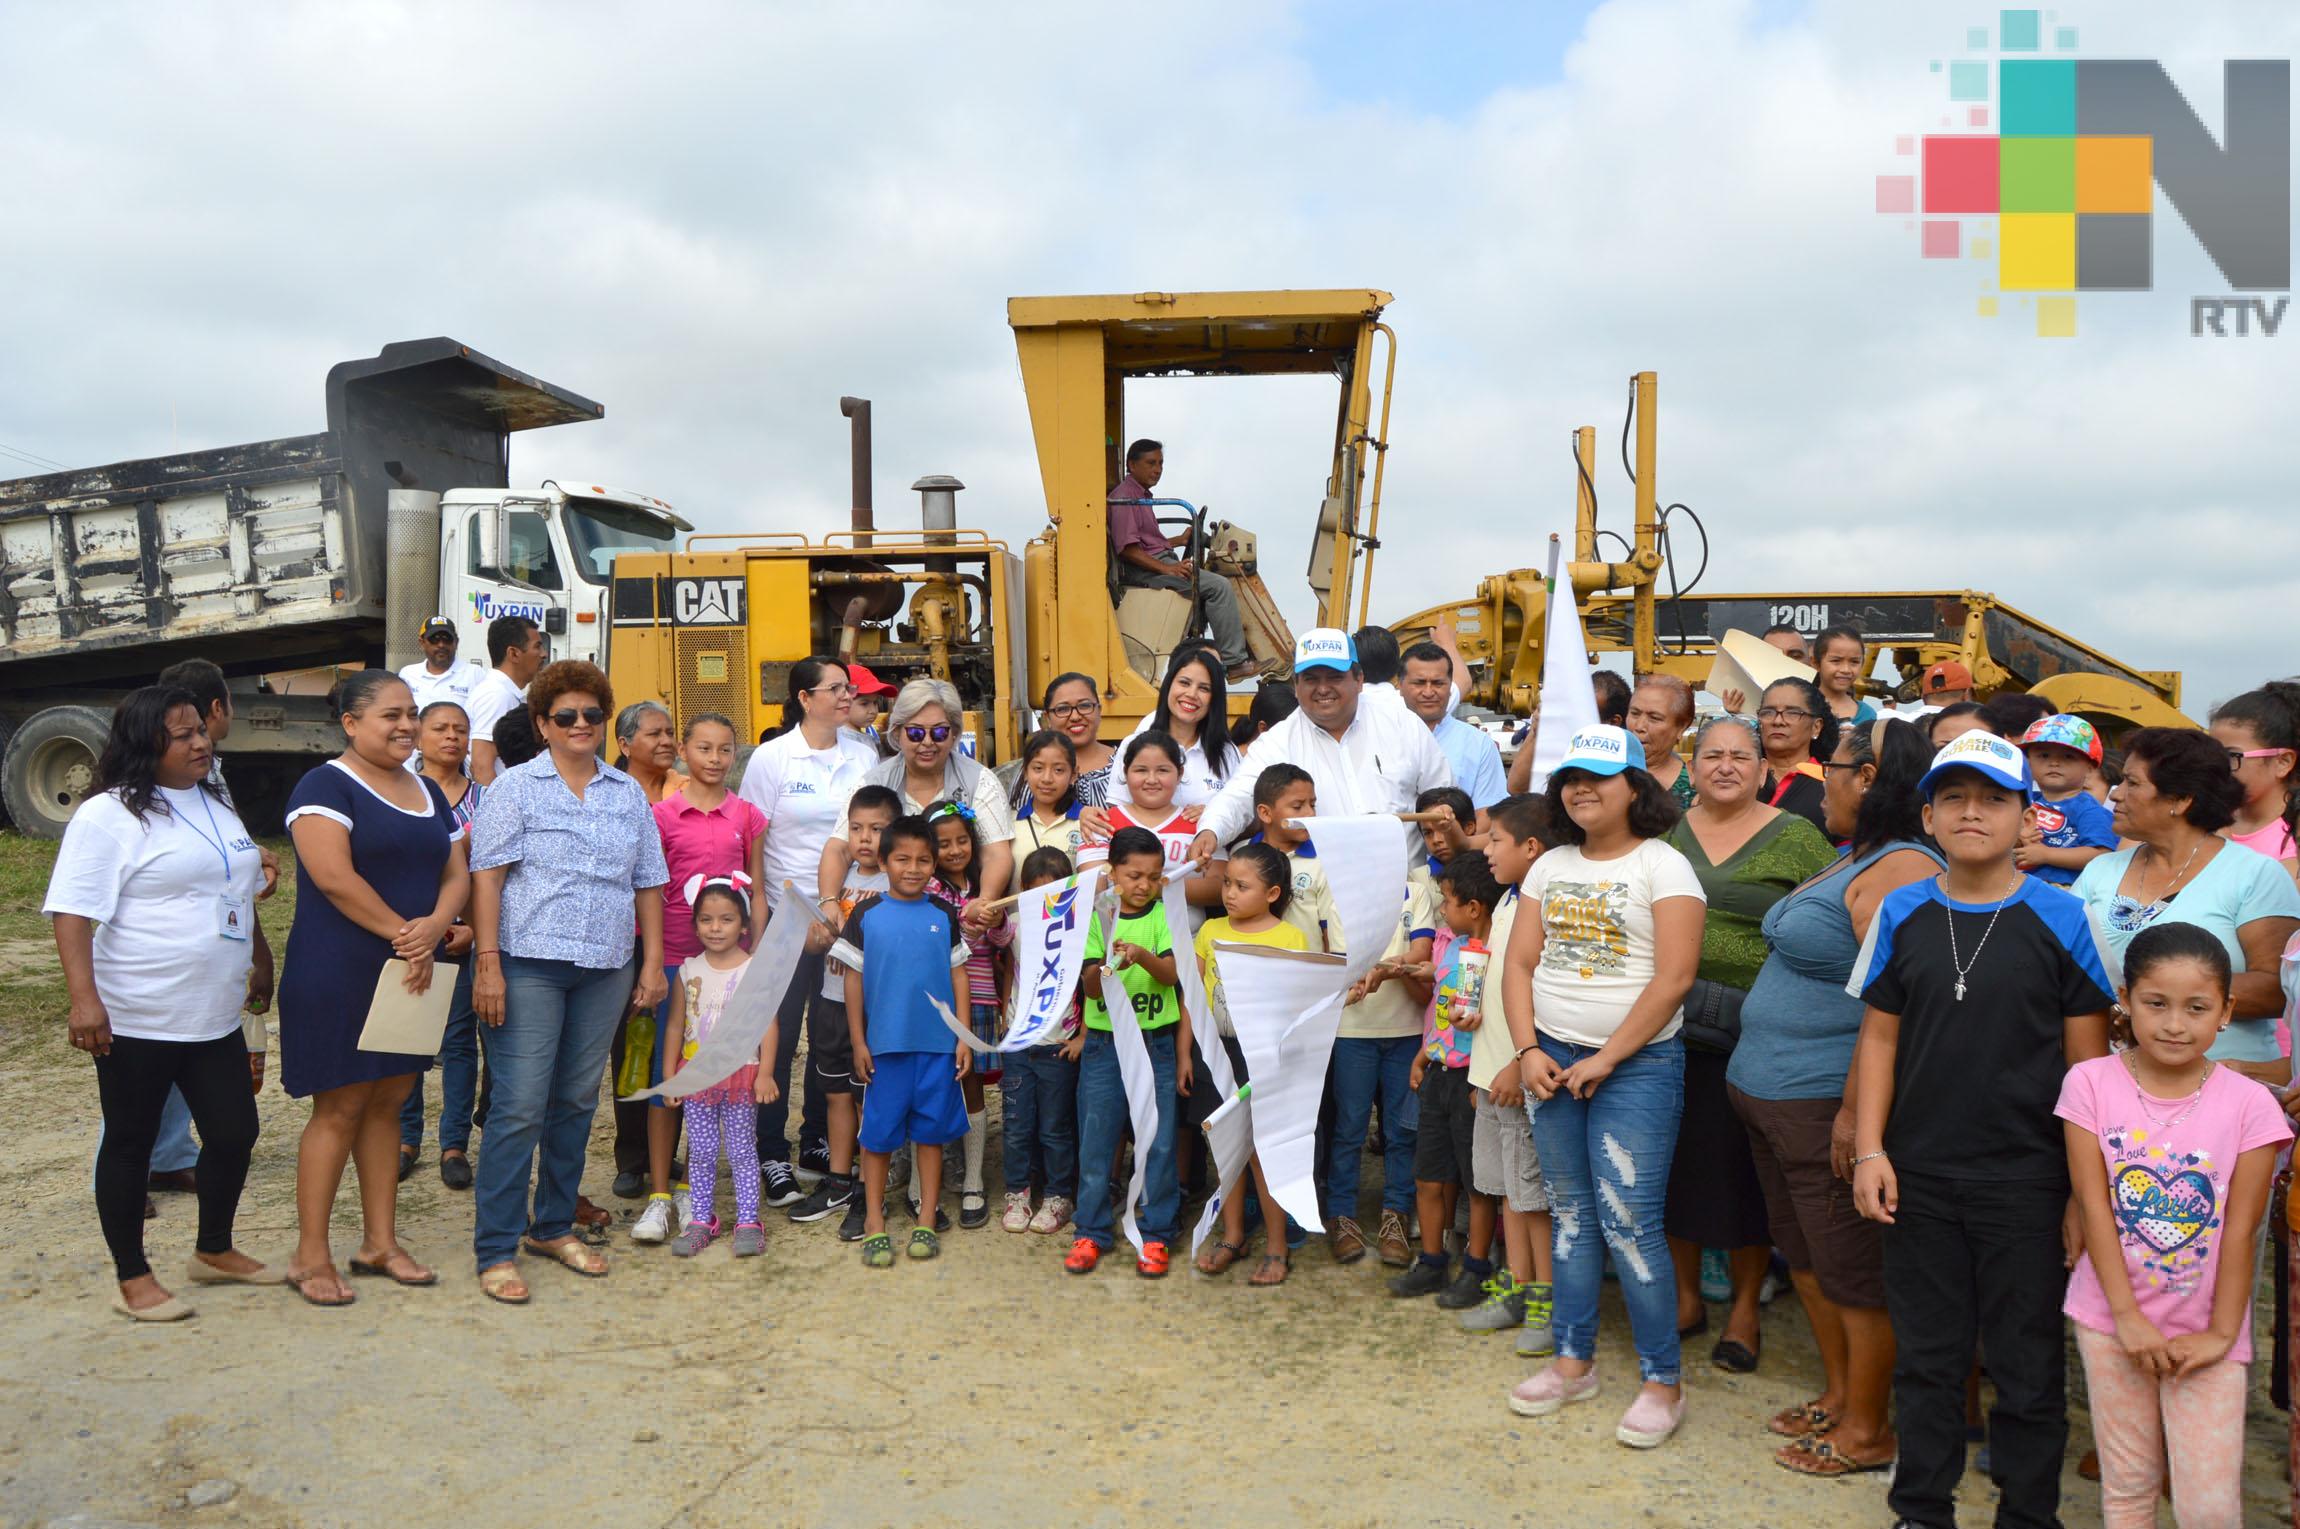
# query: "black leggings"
133, 1082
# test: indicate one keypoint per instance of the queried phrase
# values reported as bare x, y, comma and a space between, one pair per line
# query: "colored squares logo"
2115, 175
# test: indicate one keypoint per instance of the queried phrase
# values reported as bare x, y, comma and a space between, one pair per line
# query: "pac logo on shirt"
2050, 819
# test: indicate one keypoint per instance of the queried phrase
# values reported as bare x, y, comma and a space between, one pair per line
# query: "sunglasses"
569, 716
940, 733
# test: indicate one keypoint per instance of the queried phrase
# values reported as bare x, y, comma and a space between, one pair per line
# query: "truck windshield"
597, 532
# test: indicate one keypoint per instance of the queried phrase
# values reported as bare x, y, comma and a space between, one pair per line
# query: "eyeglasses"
940, 733
1063, 709
1838, 764
568, 716
2236, 757
1784, 714
842, 688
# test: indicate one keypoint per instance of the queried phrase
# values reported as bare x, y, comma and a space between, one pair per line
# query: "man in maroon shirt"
1146, 557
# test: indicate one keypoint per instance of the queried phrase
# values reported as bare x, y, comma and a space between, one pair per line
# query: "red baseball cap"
867, 683
1948, 675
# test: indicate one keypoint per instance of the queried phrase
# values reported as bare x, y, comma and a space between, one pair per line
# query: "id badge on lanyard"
235, 914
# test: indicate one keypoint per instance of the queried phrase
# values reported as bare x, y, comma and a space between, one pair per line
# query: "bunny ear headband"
737, 883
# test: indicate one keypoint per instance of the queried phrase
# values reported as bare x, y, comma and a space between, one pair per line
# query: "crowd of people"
1960, 1023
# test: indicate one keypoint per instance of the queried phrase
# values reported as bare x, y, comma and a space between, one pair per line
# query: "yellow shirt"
1279, 936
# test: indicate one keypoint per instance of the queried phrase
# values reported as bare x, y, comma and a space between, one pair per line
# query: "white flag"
1141, 1092
1286, 1006
741, 1028
1568, 704
1365, 864
1053, 923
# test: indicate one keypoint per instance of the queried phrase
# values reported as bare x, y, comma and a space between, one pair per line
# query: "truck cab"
547, 554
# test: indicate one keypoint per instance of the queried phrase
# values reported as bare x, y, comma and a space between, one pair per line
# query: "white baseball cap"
1997, 758
1601, 750
1325, 647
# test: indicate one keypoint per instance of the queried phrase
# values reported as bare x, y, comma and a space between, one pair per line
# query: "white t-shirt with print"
803, 791
1597, 936
152, 889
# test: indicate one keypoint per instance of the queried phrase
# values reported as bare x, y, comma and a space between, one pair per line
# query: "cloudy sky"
717, 219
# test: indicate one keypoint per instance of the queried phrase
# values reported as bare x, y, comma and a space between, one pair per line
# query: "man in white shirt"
439, 676
515, 647
1364, 758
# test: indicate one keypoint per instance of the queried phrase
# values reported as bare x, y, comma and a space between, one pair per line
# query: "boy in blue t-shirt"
901, 950
2070, 828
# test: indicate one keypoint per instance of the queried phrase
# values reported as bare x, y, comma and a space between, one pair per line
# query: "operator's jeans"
1102, 1118
1606, 1162
1364, 1069
1040, 1098
458, 1076
544, 1063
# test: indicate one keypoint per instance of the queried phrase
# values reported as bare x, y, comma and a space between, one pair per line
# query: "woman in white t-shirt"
153, 898
1194, 710
1592, 991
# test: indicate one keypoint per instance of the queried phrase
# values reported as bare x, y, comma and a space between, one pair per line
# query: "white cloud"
719, 222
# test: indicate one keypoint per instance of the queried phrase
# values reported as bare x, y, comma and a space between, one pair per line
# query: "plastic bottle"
1469, 1002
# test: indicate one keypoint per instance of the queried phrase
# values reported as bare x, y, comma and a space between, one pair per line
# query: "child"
1284, 793
1255, 892
1468, 894
1504, 1167
2171, 1157
1153, 770
2070, 829
1451, 834
1981, 985
1141, 950
1046, 815
903, 1052
1039, 1090
725, 1114
958, 881
829, 1052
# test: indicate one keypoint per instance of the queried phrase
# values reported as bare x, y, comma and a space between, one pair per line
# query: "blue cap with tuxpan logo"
1325, 648
1600, 750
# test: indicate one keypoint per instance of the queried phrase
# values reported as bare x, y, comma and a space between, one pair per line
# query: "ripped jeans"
1606, 1161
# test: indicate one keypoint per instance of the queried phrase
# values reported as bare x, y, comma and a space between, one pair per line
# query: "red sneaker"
1154, 1261
1084, 1255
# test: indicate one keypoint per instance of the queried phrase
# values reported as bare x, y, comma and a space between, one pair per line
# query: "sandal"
1818, 1456
1802, 1421
502, 1282
299, 1282
1260, 1279
923, 1243
387, 1267
570, 1254
878, 1250
1218, 1257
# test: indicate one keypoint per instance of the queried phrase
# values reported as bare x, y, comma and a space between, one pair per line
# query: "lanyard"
214, 838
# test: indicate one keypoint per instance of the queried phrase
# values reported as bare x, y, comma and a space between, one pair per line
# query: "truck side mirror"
491, 535
555, 621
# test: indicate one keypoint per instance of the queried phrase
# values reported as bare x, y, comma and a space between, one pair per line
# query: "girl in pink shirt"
2170, 1156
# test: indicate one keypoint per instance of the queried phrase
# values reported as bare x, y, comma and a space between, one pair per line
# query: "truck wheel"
50, 767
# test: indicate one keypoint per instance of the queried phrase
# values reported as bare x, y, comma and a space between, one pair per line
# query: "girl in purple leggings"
723, 1117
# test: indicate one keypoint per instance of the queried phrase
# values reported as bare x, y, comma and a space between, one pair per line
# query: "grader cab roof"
1214, 334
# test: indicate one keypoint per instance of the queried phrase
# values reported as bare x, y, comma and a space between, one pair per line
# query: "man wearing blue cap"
1362, 758
1982, 987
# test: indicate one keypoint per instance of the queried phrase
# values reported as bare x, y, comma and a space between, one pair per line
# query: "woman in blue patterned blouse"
565, 854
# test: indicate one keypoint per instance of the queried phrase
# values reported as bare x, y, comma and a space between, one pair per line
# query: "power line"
31, 458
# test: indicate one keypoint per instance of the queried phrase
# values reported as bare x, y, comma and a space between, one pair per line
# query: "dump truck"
283, 557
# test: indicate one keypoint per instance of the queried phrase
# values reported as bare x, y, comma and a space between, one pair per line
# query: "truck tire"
50, 767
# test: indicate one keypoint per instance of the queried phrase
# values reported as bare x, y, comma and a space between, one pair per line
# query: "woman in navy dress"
381, 871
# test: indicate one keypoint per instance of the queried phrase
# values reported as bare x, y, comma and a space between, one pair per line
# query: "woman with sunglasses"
565, 860
930, 767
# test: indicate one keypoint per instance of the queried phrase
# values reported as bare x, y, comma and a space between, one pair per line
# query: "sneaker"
1154, 1260
831, 1193
1422, 1278
1502, 1309
781, 1185
1467, 1290
1546, 1391
654, 1223
750, 1239
1716, 1276
1053, 1215
1017, 1217
851, 1228
1537, 1337
1391, 1240
698, 1236
1347, 1239
814, 1163
1650, 1421
630, 1185
1084, 1255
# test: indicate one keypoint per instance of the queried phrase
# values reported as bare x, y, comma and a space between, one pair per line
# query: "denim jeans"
1363, 1069
544, 1063
790, 1024
1040, 1099
1606, 1162
458, 1076
1102, 1119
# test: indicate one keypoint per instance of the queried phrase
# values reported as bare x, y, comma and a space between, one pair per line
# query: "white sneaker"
1017, 1217
654, 1223
684, 1203
1053, 1214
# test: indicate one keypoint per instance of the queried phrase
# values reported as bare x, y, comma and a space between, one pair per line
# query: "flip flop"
571, 1254
380, 1268
297, 1282
497, 1280
1218, 1257
1259, 1278
1819, 1457
1802, 1421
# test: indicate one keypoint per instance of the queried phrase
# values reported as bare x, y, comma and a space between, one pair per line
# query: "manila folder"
411, 1024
